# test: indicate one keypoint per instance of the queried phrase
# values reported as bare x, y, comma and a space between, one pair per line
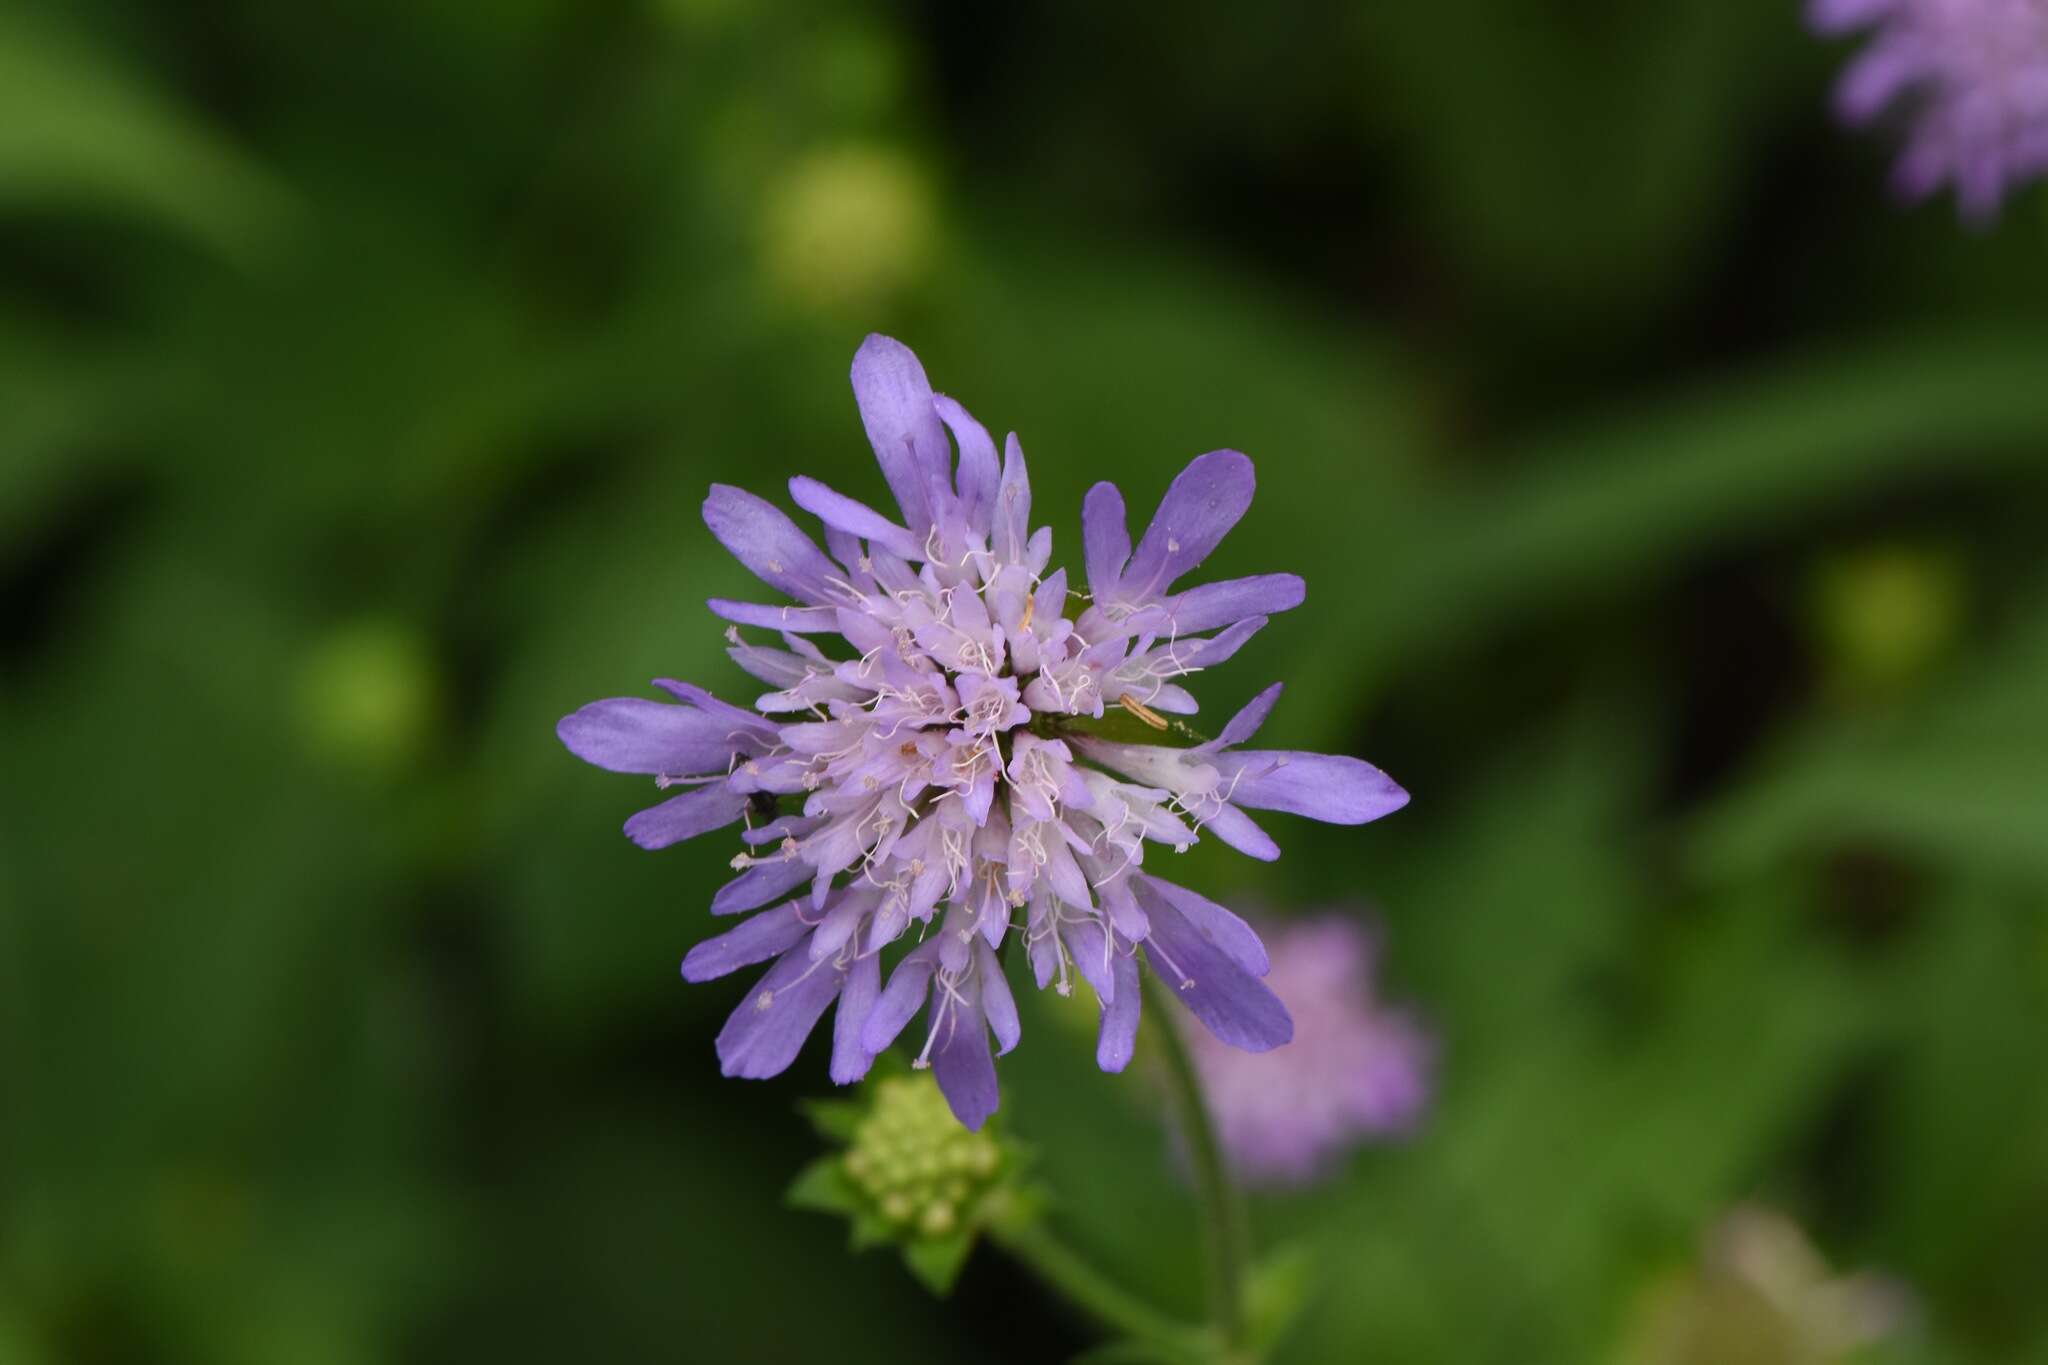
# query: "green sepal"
937, 1261
871, 1230
824, 1187
835, 1120
1011, 1202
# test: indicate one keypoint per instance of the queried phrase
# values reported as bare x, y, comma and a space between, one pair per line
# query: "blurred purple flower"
1974, 76
1357, 1070
928, 766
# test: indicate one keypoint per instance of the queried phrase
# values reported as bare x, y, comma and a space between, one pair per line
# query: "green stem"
1222, 1212
1029, 1241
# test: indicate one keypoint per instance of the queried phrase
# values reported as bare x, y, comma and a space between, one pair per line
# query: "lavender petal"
687, 816
762, 537
1105, 539
1213, 605
1231, 1002
853, 517
980, 474
1201, 505
850, 1059
901, 998
903, 425
634, 735
1118, 1040
1012, 529
965, 1071
768, 1029
1236, 939
795, 620
997, 1004
1247, 721
759, 884
1326, 787
768, 934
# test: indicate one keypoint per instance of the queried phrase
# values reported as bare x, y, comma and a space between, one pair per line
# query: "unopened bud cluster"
911, 1157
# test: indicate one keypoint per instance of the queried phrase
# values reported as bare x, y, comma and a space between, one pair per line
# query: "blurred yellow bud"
937, 1220
367, 697
1886, 614
846, 229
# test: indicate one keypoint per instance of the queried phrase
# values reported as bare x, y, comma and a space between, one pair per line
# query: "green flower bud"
937, 1220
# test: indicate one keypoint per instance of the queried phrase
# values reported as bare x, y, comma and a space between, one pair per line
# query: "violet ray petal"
1233, 599
1221, 926
997, 1003
765, 1033
796, 620
686, 816
1201, 505
980, 474
738, 722
768, 934
1118, 1040
965, 1071
901, 998
856, 518
774, 548
1246, 722
903, 426
851, 1060
1210, 650
1012, 526
1187, 656
1231, 1003
1095, 963
1105, 539
1242, 833
761, 883
1327, 787
635, 735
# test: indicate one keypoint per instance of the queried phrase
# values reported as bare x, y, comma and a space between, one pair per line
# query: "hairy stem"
1222, 1212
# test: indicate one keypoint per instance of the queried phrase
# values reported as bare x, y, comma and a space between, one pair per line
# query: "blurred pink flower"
1972, 76
1356, 1071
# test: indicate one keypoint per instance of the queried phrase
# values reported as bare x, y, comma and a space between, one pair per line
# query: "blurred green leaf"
1277, 1290
1506, 116
77, 130
1603, 512
1955, 775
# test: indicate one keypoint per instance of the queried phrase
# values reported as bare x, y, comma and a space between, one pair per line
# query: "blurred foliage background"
1672, 509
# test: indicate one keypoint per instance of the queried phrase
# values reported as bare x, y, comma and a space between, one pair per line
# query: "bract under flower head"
923, 763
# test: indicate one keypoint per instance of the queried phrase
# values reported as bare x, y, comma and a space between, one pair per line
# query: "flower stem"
1062, 1269
1222, 1211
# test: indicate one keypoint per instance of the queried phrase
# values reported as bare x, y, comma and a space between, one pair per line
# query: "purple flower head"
1974, 76
922, 763
1356, 1070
